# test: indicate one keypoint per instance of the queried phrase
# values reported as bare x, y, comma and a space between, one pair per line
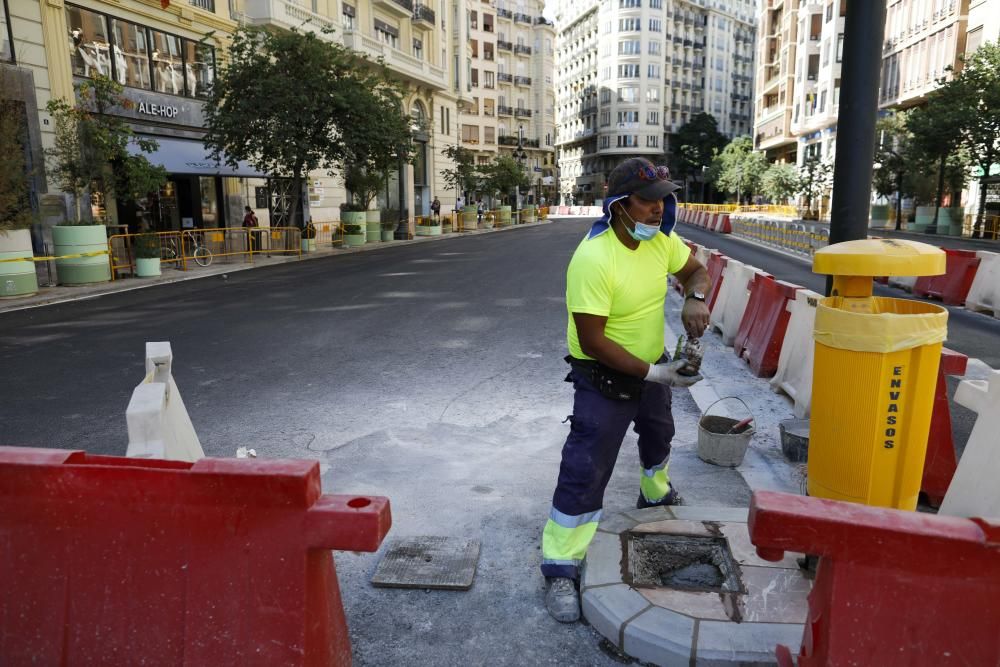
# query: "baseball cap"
641, 177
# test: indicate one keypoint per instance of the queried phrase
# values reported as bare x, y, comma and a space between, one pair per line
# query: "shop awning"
187, 156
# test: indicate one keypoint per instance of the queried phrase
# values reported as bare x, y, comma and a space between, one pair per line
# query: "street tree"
815, 180
91, 147
464, 177
694, 146
740, 168
894, 157
15, 206
503, 175
936, 128
290, 102
780, 182
975, 98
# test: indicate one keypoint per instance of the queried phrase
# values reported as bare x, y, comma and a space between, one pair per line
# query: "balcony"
523, 50
505, 14
504, 45
409, 67
541, 20
423, 14
522, 18
505, 77
284, 14
589, 111
522, 113
504, 111
207, 5
522, 80
402, 8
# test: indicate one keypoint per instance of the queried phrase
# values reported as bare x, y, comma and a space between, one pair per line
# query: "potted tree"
503, 176
464, 178
390, 218
352, 219
309, 237
90, 154
17, 278
147, 255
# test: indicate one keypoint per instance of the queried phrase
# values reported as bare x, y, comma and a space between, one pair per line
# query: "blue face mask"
642, 231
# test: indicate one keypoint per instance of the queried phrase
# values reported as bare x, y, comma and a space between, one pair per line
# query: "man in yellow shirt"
616, 286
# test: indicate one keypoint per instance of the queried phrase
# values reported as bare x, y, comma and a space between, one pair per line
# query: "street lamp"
520, 156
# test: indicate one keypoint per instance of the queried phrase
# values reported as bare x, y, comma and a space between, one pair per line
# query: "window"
199, 68
628, 117
470, 133
628, 71
629, 25
443, 131
653, 94
474, 20
487, 51
829, 11
822, 101
840, 47
629, 94
655, 25
605, 143
628, 141
488, 22
629, 4
168, 68
654, 48
488, 79
386, 33
607, 73
653, 71
653, 118
475, 47
488, 107
652, 142
489, 135
418, 48
656, 4
605, 96
826, 52
605, 118
475, 78
88, 31
347, 14
630, 47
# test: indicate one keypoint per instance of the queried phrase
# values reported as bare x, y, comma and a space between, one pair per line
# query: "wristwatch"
695, 295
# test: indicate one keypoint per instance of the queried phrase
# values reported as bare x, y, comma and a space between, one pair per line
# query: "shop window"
90, 47
199, 68
168, 66
131, 54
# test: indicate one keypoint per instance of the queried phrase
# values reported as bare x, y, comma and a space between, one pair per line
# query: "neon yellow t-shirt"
627, 286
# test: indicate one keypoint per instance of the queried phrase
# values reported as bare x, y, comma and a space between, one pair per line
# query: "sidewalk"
940, 240
50, 295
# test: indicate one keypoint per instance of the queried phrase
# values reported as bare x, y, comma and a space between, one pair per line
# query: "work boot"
562, 600
672, 498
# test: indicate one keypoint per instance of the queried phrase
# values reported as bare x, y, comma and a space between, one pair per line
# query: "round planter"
80, 239
387, 235
505, 218
308, 245
147, 267
949, 220
529, 213
470, 218
373, 226
880, 215
354, 240
428, 230
17, 278
923, 218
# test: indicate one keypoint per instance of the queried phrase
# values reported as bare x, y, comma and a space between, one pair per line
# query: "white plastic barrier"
974, 490
732, 300
795, 363
984, 295
703, 254
158, 423
903, 282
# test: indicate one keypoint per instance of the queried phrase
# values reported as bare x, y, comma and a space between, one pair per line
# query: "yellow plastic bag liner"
892, 325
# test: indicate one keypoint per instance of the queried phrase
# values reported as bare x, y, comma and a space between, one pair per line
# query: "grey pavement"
943, 241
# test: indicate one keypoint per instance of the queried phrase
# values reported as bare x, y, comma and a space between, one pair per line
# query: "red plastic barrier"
716, 263
725, 227
940, 462
953, 285
892, 587
107, 560
713, 221
765, 319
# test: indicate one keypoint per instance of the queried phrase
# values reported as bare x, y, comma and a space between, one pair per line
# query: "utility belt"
612, 384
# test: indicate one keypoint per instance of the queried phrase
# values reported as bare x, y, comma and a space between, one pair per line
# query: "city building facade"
165, 55
631, 73
506, 52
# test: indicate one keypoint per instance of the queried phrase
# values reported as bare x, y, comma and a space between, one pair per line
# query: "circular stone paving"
736, 617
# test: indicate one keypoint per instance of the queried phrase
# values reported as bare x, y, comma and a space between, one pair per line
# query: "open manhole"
683, 562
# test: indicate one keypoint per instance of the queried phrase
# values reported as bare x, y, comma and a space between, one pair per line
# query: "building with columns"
630, 73
166, 53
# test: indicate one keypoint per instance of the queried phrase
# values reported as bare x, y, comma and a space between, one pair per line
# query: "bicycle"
202, 255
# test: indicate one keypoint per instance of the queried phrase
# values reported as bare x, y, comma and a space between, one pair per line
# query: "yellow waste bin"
874, 375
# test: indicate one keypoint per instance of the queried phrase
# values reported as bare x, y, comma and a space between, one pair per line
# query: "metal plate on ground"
447, 563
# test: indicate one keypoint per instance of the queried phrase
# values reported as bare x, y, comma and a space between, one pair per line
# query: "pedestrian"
616, 284
480, 210
250, 221
436, 208
459, 203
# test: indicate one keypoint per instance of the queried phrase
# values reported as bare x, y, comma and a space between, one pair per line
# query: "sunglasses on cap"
650, 173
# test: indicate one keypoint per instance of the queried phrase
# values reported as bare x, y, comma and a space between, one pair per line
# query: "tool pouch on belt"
611, 383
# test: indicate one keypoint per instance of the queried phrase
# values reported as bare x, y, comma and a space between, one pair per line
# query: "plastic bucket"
715, 444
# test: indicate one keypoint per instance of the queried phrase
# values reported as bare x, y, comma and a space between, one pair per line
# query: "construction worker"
616, 285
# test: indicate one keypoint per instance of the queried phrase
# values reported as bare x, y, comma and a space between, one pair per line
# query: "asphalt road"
973, 334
